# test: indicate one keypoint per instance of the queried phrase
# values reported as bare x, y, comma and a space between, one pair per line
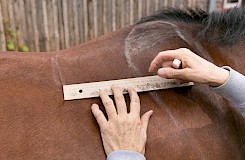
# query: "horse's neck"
121, 54
217, 53
226, 55
97, 60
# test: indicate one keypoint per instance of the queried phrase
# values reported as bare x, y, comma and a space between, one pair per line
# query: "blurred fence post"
211, 6
49, 25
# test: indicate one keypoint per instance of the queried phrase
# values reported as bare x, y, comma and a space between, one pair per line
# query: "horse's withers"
36, 123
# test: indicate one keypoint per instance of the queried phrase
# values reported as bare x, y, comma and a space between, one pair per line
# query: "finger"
99, 116
169, 55
120, 101
145, 119
134, 102
167, 64
109, 105
173, 73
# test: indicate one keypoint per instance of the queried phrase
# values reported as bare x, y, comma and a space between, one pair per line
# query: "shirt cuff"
233, 89
125, 155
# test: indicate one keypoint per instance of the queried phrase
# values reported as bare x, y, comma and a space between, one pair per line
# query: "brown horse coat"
188, 123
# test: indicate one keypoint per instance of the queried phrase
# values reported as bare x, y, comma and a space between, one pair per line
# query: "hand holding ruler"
140, 84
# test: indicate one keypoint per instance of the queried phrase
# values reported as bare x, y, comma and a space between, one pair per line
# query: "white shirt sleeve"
233, 90
125, 155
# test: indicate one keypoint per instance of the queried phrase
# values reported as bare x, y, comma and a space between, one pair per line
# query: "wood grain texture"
140, 7
122, 12
114, 25
30, 37
11, 14
85, 15
5, 15
56, 24
45, 26
80, 20
22, 22
95, 17
61, 24
50, 25
34, 25
65, 18
2, 32
131, 12
75, 20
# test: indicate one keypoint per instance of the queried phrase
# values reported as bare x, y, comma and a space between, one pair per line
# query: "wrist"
219, 77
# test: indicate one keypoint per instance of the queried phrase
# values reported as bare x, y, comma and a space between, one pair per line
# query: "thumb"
145, 119
170, 73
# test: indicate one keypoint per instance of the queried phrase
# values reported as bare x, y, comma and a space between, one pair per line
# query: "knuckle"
109, 103
98, 115
120, 98
137, 122
144, 137
135, 119
156, 63
122, 120
173, 73
135, 99
104, 130
161, 54
184, 49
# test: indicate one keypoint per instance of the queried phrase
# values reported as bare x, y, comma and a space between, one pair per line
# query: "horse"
188, 123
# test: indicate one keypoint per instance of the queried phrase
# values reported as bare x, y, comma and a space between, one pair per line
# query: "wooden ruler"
140, 84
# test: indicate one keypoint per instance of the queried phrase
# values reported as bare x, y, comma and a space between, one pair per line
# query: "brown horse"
188, 123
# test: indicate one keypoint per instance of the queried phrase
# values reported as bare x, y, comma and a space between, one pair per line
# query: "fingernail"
114, 86
130, 89
101, 91
150, 113
161, 71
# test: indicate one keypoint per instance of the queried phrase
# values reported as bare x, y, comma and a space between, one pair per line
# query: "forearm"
125, 155
234, 90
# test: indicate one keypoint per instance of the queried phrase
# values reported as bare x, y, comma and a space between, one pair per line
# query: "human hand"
194, 68
122, 130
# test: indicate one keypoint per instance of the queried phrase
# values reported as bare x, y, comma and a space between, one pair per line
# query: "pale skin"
122, 130
128, 131
194, 68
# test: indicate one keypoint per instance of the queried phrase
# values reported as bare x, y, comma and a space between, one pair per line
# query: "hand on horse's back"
194, 68
122, 130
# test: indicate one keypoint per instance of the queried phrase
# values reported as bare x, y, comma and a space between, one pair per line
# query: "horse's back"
36, 123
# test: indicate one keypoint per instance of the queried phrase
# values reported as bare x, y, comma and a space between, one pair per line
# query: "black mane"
224, 27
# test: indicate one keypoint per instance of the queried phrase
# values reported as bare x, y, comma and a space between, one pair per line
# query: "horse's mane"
224, 27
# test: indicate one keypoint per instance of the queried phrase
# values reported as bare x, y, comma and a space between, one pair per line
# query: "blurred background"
49, 25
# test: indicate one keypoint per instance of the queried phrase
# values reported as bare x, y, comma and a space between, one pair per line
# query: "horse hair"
220, 28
